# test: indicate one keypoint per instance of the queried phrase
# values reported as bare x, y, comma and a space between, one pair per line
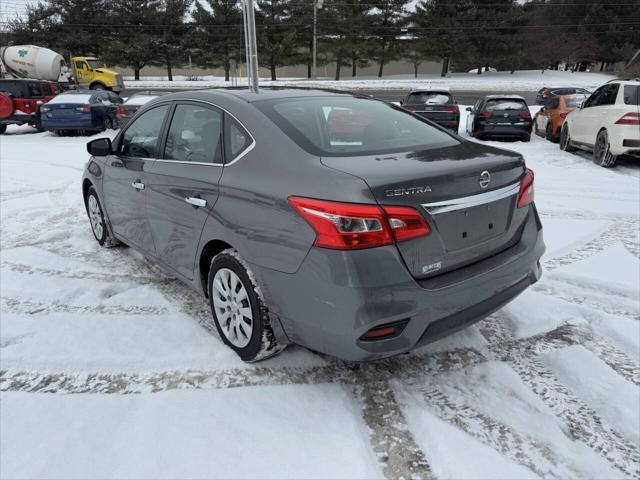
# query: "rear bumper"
624, 139
335, 296
490, 130
73, 123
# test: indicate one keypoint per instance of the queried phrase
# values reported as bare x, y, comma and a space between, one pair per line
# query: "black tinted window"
430, 98
505, 104
14, 88
609, 94
632, 94
141, 138
195, 135
338, 126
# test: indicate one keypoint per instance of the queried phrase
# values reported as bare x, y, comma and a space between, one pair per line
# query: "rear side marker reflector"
383, 332
347, 226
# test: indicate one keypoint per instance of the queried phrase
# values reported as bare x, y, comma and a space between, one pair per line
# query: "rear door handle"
138, 185
196, 202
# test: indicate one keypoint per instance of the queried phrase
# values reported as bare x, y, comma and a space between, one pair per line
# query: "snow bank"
492, 81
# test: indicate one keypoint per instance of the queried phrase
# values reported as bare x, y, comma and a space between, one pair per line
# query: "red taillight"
484, 114
121, 111
346, 226
84, 108
451, 109
525, 196
525, 115
410, 109
406, 223
44, 109
545, 94
631, 118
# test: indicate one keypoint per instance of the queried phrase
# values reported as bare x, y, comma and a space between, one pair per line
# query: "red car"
20, 101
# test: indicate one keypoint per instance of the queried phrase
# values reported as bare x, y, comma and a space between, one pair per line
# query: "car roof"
270, 93
430, 89
504, 97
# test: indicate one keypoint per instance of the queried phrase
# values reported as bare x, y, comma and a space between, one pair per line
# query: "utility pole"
316, 5
251, 46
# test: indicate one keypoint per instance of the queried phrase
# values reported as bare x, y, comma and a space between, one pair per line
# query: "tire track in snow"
498, 436
391, 440
580, 420
28, 307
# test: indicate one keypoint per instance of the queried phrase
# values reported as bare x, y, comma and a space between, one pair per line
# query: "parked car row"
605, 123
45, 106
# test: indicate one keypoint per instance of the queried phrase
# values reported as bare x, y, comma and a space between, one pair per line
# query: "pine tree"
277, 43
218, 34
388, 22
171, 22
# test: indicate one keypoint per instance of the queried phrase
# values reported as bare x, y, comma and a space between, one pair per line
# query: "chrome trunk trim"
460, 203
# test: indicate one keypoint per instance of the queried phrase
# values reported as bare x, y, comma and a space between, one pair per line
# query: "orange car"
549, 119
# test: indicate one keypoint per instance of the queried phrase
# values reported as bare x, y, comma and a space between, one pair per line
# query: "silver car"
328, 220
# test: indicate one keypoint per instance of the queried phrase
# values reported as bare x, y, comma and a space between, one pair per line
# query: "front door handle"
196, 202
138, 185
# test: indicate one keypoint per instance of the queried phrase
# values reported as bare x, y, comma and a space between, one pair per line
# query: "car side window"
609, 94
237, 139
195, 135
140, 139
594, 99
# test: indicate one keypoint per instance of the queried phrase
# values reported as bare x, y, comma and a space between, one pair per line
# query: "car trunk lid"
467, 193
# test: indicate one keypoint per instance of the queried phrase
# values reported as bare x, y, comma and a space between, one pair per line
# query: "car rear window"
337, 126
505, 104
632, 94
80, 98
430, 98
574, 101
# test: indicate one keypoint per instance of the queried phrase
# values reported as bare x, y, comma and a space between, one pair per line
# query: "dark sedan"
546, 94
80, 111
362, 235
501, 117
436, 105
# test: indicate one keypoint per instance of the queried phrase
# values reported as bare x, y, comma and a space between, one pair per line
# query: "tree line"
351, 34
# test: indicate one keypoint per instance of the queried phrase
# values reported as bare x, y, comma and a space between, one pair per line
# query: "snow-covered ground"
111, 369
490, 81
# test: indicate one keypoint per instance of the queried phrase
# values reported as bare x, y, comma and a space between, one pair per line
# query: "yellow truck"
31, 61
94, 74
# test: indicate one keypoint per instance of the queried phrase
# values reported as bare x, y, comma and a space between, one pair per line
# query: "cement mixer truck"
32, 75
39, 63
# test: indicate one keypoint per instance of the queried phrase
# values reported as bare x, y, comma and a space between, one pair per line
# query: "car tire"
3, 128
548, 133
601, 151
239, 312
526, 138
97, 219
97, 86
565, 139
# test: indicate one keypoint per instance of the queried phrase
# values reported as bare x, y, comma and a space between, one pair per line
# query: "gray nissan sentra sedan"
328, 220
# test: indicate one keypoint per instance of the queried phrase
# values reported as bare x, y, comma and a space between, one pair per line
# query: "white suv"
607, 123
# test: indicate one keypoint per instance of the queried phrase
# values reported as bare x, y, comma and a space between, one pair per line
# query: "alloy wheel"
232, 307
95, 216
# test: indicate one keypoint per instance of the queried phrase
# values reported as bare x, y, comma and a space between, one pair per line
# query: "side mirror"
580, 104
100, 147
469, 109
